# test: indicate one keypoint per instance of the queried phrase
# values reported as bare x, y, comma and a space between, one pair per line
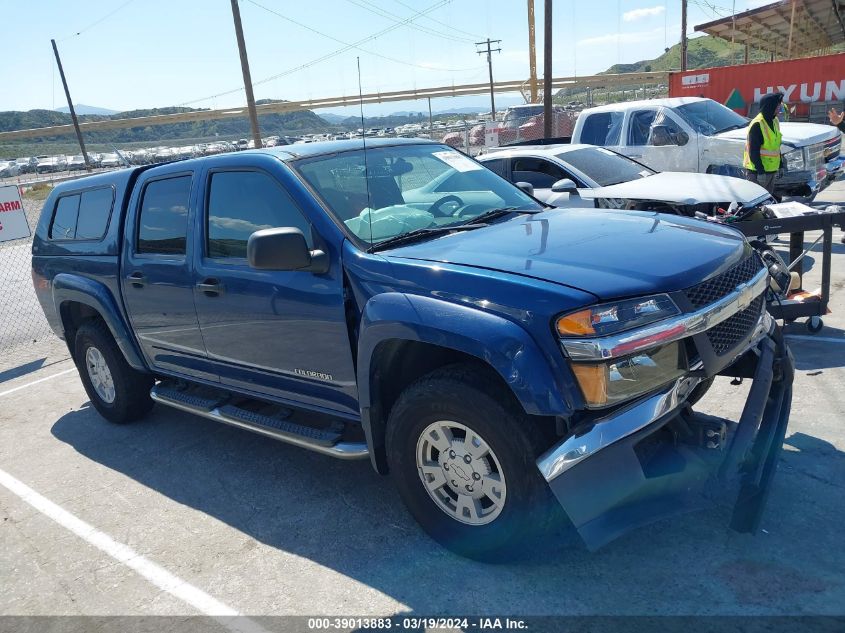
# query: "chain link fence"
26, 340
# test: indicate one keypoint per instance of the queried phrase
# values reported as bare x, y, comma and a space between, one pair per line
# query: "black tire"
814, 325
699, 390
131, 387
465, 395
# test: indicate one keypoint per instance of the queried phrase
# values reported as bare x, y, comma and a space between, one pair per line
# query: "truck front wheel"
118, 392
464, 463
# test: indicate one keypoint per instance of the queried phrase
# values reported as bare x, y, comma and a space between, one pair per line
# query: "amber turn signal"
593, 382
576, 324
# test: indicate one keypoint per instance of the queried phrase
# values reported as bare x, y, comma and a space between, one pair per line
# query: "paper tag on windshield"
458, 161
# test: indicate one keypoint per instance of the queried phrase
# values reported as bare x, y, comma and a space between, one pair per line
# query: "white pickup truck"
701, 135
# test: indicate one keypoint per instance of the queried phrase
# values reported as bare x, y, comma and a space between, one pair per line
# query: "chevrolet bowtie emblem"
745, 298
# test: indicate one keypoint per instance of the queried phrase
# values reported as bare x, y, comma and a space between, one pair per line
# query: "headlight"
604, 384
795, 160
610, 318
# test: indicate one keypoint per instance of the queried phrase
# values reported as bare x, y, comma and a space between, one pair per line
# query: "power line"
372, 8
334, 39
323, 57
388, 15
101, 20
440, 22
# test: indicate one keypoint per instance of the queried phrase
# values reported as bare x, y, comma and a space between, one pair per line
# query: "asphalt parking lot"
176, 515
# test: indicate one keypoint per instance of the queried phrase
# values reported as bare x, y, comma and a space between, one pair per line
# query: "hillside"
288, 123
702, 52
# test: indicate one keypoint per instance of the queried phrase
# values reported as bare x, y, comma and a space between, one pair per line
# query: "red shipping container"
803, 81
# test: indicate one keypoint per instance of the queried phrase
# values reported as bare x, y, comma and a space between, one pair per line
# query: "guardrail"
593, 81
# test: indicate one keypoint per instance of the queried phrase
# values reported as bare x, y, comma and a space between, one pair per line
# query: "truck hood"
797, 134
609, 254
682, 188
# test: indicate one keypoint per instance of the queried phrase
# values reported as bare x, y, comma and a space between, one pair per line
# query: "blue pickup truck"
398, 301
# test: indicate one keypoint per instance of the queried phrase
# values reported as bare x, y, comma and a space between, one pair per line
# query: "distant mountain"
81, 109
334, 119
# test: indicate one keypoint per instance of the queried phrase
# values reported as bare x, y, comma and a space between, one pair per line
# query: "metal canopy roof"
790, 28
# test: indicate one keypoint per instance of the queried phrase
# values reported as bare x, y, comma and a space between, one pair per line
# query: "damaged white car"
573, 176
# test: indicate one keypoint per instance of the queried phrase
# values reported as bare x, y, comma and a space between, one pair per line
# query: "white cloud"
646, 12
636, 37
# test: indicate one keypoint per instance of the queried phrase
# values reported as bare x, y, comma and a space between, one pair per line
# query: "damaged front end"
627, 465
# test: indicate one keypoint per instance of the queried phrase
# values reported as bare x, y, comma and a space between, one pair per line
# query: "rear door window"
163, 220
497, 166
540, 173
602, 128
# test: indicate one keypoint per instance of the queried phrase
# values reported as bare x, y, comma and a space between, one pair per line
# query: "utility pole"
547, 71
430, 120
683, 35
532, 53
70, 107
488, 50
250, 98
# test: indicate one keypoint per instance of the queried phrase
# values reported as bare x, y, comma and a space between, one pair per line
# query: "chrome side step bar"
325, 442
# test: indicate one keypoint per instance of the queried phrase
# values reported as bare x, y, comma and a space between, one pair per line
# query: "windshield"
709, 117
603, 166
408, 187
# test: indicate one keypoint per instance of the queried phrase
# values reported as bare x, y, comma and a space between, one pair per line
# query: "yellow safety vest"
770, 150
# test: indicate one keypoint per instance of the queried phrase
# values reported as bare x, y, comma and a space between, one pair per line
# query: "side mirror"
527, 187
681, 138
284, 249
563, 185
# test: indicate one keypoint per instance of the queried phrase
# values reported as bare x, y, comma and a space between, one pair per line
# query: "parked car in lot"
403, 303
701, 135
27, 165
9, 169
588, 176
76, 163
110, 160
51, 164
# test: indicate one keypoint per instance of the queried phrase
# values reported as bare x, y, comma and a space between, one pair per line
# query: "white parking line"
808, 337
149, 570
35, 382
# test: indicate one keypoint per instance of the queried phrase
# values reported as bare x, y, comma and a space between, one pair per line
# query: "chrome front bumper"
598, 475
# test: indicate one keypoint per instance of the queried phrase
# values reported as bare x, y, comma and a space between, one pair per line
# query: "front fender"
68, 287
502, 344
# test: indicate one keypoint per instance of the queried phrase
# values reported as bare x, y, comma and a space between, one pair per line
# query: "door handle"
635, 155
211, 287
137, 279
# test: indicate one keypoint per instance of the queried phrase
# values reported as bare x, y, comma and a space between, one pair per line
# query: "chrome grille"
833, 148
715, 288
725, 336
816, 156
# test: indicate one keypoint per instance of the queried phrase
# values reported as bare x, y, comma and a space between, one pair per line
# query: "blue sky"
147, 53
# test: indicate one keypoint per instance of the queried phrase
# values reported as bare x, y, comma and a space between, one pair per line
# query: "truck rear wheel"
464, 463
119, 393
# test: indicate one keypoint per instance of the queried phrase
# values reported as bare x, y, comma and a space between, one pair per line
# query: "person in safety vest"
762, 146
